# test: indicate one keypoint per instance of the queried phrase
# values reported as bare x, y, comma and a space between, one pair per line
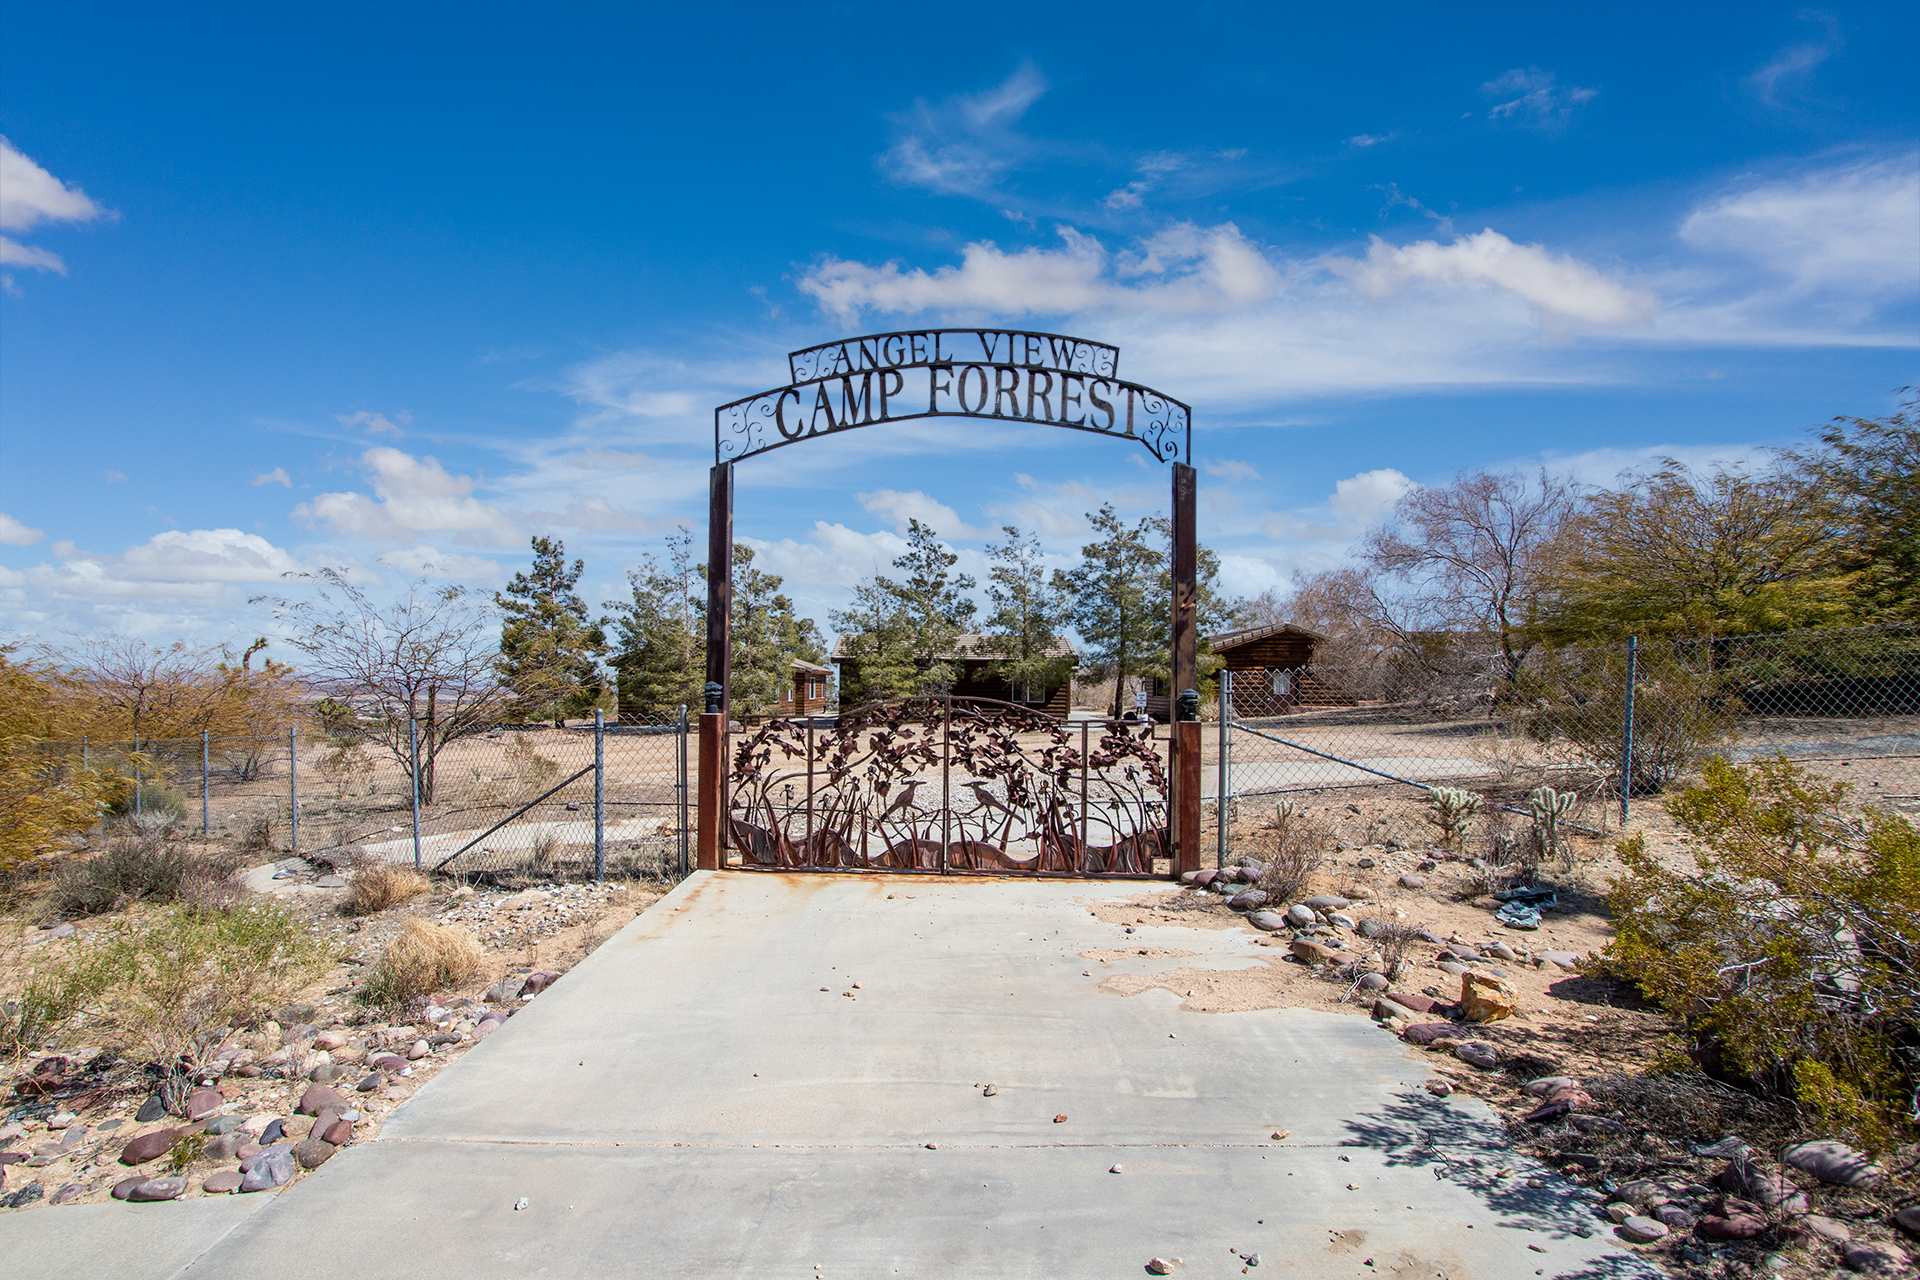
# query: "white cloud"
598, 513
1368, 139
1853, 227
1183, 269
423, 561
902, 507
1355, 503
609, 460
1538, 96
115, 477
963, 145
377, 424
29, 196
276, 476
15, 534
178, 565
1563, 287
412, 496
1229, 469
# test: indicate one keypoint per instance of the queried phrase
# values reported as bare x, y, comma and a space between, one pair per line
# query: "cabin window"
1282, 683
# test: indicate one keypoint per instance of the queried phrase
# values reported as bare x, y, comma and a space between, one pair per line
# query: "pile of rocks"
538, 912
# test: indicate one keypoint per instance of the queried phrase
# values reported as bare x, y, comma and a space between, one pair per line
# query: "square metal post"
1184, 731
206, 808
413, 758
293, 789
599, 796
713, 719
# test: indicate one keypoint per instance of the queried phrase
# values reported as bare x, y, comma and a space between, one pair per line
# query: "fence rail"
1611, 724
481, 804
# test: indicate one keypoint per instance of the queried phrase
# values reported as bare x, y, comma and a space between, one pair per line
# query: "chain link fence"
572, 803
1609, 724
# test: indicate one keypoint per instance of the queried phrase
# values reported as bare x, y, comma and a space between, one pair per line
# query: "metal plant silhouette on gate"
950, 784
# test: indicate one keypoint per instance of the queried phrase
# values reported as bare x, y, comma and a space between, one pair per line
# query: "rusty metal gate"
950, 785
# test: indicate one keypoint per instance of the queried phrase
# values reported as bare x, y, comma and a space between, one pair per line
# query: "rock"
506, 989
313, 1152
1748, 1181
1641, 1192
318, 1098
537, 983
1561, 959
1728, 1148
1159, 1267
1877, 1260
227, 1180
330, 1040
1427, 935
273, 1132
1339, 920
1837, 1232
226, 1146
1455, 968
1440, 1088
1477, 1053
1461, 951
486, 1028
1373, 982
1737, 1220
223, 1124
1328, 902
271, 1168
1267, 921
124, 1188
158, 1189
527, 898
1413, 880
1908, 1219
339, 1133
1548, 1085
1428, 864
387, 1062
148, 1146
1501, 951
1596, 1124
1414, 1001
151, 1110
418, 1050
204, 1103
1383, 1008
1432, 1032
1547, 1112
1365, 864
1835, 1163
372, 1082
1643, 1230
1485, 998
1299, 916
1371, 928
1361, 893
1315, 952
23, 1197
62, 1119
67, 1194
1247, 900
1676, 1217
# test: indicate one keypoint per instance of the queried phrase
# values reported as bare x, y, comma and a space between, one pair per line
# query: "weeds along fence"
579, 802
1610, 724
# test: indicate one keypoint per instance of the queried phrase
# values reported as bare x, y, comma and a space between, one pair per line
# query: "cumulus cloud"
411, 496
179, 565
29, 196
1355, 503
1183, 269
899, 508
277, 476
1537, 96
1560, 286
15, 534
598, 513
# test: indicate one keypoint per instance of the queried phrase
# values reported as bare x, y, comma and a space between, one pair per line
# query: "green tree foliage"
766, 637
1789, 954
902, 630
1677, 553
1119, 603
43, 798
1030, 610
660, 640
549, 648
1870, 467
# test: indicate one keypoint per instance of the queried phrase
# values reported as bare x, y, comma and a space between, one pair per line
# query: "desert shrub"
187, 1150
168, 986
425, 958
1452, 812
256, 834
532, 772
32, 1017
376, 888
1300, 845
546, 846
142, 868
44, 798
1789, 955
1396, 944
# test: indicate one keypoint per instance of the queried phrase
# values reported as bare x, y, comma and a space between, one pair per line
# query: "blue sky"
395, 287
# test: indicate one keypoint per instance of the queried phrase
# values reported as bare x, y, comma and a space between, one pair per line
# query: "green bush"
1789, 955
142, 868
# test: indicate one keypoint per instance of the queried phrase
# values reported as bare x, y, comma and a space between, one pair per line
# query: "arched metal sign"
1005, 374
1012, 375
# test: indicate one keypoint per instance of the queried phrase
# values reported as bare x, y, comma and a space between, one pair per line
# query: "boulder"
1878, 1260
318, 1098
1384, 1008
158, 1189
148, 1146
1300, 915
1748, 1181
1643, 1230
1835, 1163
1248, 900
1477, 1053
1485, 998
313, 1152
1312, 952
1432, 1033
1328, 902
1268, 921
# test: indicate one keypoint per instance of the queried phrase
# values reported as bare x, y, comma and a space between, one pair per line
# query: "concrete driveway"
689, 1101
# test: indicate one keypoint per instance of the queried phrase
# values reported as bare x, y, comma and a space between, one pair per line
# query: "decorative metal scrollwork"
950, 784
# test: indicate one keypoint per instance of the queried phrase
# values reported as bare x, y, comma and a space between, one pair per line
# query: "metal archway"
1010, 375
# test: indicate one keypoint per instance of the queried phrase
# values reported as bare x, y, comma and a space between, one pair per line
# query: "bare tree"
1470, 554
429, 657
129, 686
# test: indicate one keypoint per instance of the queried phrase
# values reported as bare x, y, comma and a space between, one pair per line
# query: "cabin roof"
975, 647
1234, 639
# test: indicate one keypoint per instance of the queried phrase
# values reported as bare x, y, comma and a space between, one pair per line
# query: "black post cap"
1189, 701
713, 693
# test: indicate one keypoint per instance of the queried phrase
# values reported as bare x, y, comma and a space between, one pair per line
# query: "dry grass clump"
425, 958
375, 889
1300, 845
144, 868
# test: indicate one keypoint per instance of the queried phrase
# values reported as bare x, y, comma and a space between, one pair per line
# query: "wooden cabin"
1273, 672
973, 659
810, 693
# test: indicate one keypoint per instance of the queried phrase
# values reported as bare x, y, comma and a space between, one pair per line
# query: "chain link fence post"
599, 796
136, 775
1221, 801
413, 770
206, 809
293, 792
1626, 730
680, 784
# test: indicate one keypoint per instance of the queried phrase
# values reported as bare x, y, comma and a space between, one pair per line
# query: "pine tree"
1029, 612
549, 647
766, 637
902, 632
660, 654
1113, 590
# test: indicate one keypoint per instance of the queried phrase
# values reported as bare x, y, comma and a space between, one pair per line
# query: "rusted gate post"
713, 716
1184, 731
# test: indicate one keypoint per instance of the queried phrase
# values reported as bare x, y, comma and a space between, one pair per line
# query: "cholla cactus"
1549, 807
1453, 811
